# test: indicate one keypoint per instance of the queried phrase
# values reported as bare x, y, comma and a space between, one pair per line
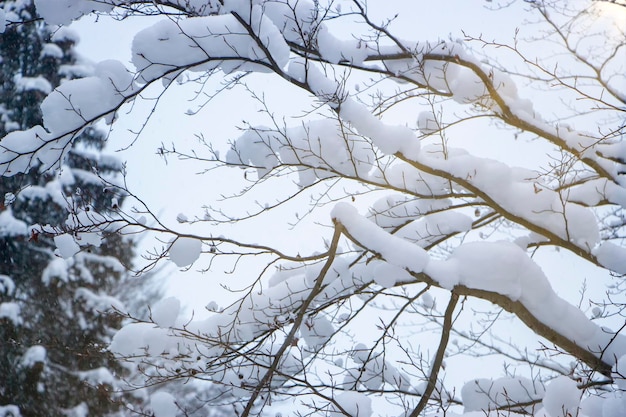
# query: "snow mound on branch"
7, 285
427, 123
67, 110
396, 251
372, 371
387, 275
353, 404
316, 331
9, 410
498, 267
34, 355
205, 43
77, 102
321, 149
95, 377
62, 12
515, 191
10, 226
32, 84
12, 312
163, 404
612, 257
165, 312
389, 139
562, 397
504, 268
184, 251
487, 394
66, 245
141, 338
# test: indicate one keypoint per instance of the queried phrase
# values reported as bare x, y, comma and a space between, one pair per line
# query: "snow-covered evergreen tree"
55, 313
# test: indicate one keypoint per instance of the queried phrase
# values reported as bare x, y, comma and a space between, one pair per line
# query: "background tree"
55, 311
451, 239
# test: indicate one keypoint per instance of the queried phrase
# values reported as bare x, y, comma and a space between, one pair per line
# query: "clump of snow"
114, 71
337, 50
95, 377
32, 84
62, 12
562, 397
56, 269
372, 371
66, 245
139, 338
353, 404
77, 102
316, 331
7, 286
427, 123
427, 301
184, 251
163, 404
10, 226
33, 355
212, 306
205, 43
388, 138
611, 256
165, 312
320, 144
79, 410
98, 302
487, 394
51, 50
12, 312
9, 410
386, 275
613, 407
64, 33
393, 249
